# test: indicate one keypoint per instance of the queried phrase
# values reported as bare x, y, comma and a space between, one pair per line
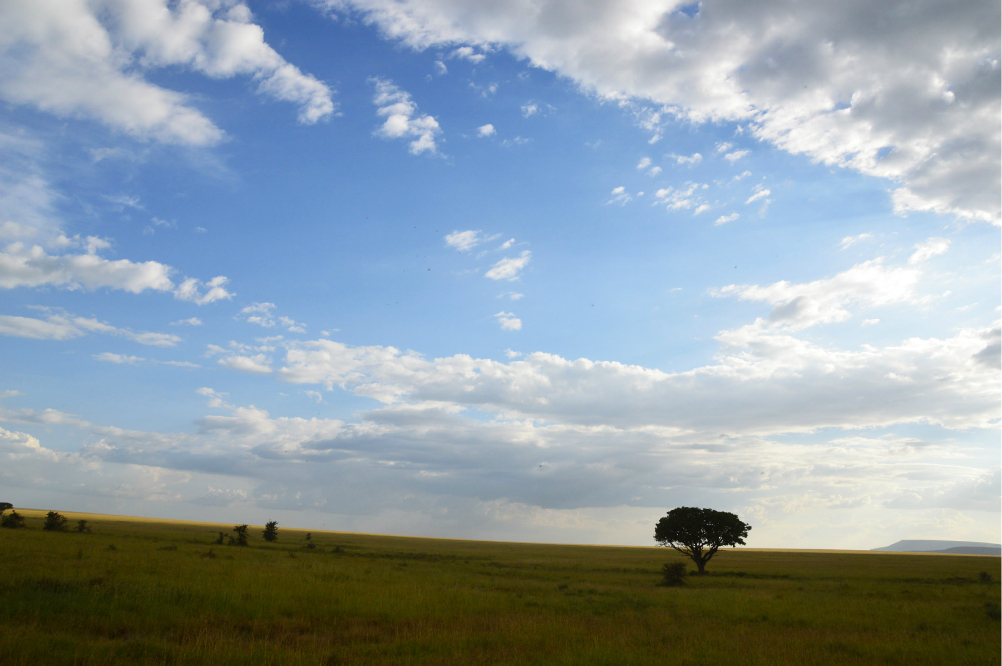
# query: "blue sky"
471, 270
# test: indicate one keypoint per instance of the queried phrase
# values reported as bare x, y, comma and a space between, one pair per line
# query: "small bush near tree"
82, 526
271, 531
54, 522
674, 574
12, 520
985, 577
241, 536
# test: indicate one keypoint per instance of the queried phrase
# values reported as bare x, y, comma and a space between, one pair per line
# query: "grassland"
141, 591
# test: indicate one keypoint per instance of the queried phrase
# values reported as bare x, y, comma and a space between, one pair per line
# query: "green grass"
158, 597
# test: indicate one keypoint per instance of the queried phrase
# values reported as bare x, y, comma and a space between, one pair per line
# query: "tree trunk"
701, 565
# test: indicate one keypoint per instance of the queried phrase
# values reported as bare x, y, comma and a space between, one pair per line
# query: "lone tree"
5, 506
54, 522
700, 533
241, 537
12, 520
271, 531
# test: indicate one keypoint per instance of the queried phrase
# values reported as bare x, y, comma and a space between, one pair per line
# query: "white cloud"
486, 130
644, 163
852, 240
215, 290
702, 208
691, 160
529, 109
870, 322
440, 68
619, 196
760, 193
190, 321
824, 301
399, 110
723, 146
742, 175
509, 267
724, 219
684, 199
108, 357
508, 321
467, 53
72, 57
260, 314
257, 364
512, 354
735, 156
654, 171
817, 80
463, 241
929, 249
507, 244
61, 325
21, 266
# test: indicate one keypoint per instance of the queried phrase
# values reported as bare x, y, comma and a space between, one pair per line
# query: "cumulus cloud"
620, 196
89, 58
760, 193
852, 240
691, 160
798, 306
464, 241
486, 130
929, 249
22, 266
680, 199
724, 219
915, 101
202, 293
508, 321
190, 321
643, 163
260, 314
61, 325
509, 268
401, 119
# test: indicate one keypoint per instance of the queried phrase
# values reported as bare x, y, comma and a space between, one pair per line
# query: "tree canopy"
700, 533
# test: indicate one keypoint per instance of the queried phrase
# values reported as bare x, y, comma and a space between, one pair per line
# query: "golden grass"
159, 597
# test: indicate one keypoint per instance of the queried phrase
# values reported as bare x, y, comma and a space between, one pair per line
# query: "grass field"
162, 592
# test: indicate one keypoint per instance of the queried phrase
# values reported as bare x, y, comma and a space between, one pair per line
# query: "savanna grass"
168, 593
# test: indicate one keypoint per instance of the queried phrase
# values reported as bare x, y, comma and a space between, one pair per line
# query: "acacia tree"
700, 533
5, 506
271, 531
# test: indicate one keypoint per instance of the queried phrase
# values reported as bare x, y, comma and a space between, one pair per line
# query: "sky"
509, 270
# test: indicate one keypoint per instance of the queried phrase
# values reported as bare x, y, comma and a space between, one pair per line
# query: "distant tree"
12, 520
674, 574
700, 533
241, 538
309, 536
82, 526
54, 522
5, 506
271, 531
222, 538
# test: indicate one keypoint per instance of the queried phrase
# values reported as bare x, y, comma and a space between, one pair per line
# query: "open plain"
164, 592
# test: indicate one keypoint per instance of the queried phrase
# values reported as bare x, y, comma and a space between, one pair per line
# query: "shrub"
54, 522
222, 538
241, 538
985, 577
993, 611
12, 520
271, 531
82, 526
674, 574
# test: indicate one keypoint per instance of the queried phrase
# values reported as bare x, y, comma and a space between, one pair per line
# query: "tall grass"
158, 597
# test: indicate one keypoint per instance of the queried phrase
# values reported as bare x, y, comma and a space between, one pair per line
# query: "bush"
82, 526
993, 611
54, 522
222, 538
12, 520
241, 538
271, 531
985, 577
674, 574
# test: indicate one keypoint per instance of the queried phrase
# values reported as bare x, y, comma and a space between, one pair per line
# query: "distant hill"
939, 546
